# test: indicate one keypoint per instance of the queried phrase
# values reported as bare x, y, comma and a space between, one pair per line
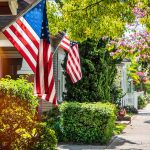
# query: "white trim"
13, 5
5, 43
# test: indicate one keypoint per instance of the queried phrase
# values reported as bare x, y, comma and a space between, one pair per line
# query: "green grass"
119, 128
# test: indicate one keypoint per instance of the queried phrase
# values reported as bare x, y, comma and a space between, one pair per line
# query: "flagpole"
21, 14
58, 45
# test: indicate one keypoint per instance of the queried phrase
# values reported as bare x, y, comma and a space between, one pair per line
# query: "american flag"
65, 43
73, 66
30, 35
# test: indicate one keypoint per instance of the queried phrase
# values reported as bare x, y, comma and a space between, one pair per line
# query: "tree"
134, 44
93, 19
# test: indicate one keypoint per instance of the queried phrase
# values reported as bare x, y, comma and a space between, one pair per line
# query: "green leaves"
99, 70
19, 124
19, 89
87, 122
90, 19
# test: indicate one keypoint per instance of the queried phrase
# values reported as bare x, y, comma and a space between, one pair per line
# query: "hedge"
87, 122
20, 128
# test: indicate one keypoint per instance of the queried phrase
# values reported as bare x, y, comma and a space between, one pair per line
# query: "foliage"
87, 122
131, 109
119, 128
46, 139
98, 68
134, 44
19, 89
19, 124
90, 19
142, 102
52, 118
146, 87
117, 94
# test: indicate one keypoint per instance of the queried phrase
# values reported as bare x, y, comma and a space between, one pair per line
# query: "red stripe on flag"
45, 63
71, 72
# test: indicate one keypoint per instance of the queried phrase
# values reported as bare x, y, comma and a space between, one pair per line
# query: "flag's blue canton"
45, 32
34, 17
72, 43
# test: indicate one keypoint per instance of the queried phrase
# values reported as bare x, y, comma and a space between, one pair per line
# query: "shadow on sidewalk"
118, 141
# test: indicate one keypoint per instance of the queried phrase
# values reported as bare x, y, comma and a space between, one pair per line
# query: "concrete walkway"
136, 136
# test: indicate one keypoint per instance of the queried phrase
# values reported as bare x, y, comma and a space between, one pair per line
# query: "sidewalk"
136, 136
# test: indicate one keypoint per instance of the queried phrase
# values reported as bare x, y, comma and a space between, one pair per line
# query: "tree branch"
91, 5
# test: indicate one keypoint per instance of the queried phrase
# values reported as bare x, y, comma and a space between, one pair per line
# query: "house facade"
130, 97
12, 63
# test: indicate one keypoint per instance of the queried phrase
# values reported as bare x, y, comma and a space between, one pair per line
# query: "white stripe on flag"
52, 95
41, 67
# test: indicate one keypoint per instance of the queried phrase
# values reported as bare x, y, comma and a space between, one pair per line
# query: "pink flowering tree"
134, 45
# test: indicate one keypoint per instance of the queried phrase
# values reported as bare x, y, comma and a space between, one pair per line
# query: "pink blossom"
140, 74
112, 53
118, 51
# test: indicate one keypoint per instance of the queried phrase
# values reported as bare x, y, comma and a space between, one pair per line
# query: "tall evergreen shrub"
99, 70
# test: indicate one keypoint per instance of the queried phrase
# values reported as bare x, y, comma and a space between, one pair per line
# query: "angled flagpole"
56, 49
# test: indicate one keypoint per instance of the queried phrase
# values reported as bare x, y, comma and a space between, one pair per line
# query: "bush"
45, 139
19, 124
142, 101
20, 89
52, 118
87, 122
119, 128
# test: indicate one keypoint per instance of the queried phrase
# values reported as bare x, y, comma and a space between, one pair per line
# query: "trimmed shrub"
87, 122
20, 127
52, 118
19, 89
45, 139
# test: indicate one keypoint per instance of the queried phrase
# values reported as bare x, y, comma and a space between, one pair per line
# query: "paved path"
137, 135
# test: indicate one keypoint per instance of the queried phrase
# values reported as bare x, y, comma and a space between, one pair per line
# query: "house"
12, 63
131, 96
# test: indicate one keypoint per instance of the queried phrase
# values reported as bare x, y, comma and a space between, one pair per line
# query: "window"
4, 8
10, 66
8, 7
